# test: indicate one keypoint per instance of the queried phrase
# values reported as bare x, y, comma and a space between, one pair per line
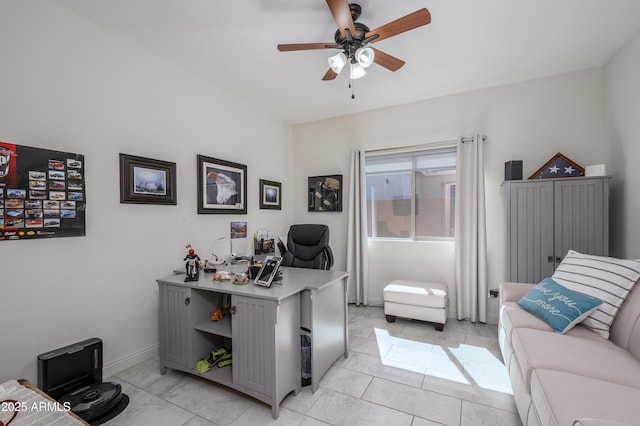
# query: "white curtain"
471, 235
357, 264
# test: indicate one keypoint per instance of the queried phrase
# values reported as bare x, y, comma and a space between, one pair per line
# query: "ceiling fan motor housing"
352, 42
356, 10
361, 30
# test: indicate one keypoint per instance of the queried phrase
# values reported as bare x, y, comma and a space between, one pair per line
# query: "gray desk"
264, 331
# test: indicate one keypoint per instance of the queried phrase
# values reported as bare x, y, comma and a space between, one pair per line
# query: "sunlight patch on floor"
462, 363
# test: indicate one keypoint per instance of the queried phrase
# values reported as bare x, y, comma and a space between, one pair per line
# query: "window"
411, 194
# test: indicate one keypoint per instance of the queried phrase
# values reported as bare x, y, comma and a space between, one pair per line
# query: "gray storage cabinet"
263, 332
548, 217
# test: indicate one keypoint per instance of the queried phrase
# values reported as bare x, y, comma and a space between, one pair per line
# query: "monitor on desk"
269, 271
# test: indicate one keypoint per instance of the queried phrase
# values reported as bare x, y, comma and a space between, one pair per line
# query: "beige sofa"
577, 378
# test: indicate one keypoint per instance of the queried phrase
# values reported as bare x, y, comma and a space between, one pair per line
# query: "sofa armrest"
512, 292
597, 422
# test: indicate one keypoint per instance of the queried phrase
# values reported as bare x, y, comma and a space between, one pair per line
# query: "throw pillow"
560, 307
605, 278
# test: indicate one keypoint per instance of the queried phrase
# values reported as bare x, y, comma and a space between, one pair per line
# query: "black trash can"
305, 353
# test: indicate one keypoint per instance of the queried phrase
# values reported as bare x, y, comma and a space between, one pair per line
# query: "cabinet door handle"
550, 259
187, 301
558, 259
232, 310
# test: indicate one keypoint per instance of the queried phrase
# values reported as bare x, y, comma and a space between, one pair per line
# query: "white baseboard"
123, 363
376, 301
492, 318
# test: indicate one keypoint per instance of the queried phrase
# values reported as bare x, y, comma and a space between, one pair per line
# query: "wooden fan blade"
385, 60
413, 20
306, 46
342, 15
330, 75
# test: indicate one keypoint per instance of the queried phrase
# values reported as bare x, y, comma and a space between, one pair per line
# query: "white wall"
529, 121
623, 125
69, 86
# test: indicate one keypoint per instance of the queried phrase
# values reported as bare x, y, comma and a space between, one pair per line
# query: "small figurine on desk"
192, 266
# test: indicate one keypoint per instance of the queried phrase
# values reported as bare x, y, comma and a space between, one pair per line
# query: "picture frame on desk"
147, 181
222, 186
270, 195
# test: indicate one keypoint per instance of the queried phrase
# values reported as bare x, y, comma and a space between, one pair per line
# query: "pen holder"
253, 271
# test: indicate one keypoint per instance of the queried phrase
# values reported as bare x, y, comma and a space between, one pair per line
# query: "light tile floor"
404, 373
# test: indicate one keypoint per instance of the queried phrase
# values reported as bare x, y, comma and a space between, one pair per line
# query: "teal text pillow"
560, 307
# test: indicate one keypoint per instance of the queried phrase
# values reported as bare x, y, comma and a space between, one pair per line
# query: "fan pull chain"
353, 95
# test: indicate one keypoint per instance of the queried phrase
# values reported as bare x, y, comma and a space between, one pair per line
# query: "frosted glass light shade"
365, 56
357, 71
337, 62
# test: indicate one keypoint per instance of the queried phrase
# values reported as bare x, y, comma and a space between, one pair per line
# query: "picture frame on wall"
325, 193
270, 195
147, 181
222, 186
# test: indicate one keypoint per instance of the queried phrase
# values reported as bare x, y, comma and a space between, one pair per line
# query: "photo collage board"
42, 193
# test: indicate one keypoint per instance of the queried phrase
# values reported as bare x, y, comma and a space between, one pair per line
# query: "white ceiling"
470, 44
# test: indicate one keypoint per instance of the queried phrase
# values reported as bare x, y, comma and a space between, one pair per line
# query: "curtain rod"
484, 138
409, 148
432, 145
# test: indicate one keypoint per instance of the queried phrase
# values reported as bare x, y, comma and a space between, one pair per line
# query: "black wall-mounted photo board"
42, 193
325, 193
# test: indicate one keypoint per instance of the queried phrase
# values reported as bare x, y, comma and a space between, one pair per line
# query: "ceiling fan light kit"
365, 56
337, 62
353, 38
356, 71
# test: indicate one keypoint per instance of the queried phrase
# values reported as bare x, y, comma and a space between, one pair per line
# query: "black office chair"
307, 247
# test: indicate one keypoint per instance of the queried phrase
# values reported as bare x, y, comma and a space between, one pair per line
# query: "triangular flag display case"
559, 166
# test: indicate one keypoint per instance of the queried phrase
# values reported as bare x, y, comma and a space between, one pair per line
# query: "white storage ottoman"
416, 300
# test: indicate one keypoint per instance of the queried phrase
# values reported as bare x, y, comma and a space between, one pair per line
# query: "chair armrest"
512, 292
282, 248
328, 253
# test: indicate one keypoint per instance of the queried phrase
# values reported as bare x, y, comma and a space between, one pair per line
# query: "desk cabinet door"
253, 326
175, 328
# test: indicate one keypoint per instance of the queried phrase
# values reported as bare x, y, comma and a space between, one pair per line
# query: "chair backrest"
308, 247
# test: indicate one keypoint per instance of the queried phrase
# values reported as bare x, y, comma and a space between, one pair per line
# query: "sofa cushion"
605, 278
512, 317
558, 306
560, 398
599, 359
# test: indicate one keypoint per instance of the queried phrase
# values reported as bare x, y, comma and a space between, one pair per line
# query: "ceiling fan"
353, 39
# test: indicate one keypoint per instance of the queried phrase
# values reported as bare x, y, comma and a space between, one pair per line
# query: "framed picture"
147, 181
222, 186
270, 195
325, 193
